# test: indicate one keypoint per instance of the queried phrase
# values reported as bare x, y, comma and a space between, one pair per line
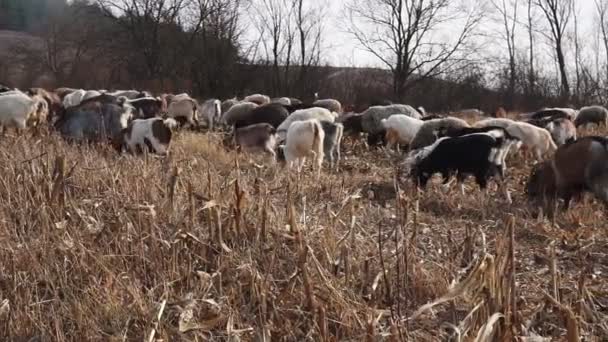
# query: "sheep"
400, 129
152, 135
428, 132
211, 111
477, 154
371, 119
238, 112
592, 114
19, 111
258, 99
304, 138
321, 114
74, 98
562, 131
330, 104
577, 166
332, 141
273, 114
257, 137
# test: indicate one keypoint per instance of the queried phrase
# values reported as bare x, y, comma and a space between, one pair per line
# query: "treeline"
24, 15
226, 48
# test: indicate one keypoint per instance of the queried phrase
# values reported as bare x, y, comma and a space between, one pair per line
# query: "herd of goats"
289, 130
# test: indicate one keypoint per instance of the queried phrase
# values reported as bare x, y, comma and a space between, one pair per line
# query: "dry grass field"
208, 246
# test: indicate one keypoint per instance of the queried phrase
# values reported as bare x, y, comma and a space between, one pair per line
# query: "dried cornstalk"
572, 328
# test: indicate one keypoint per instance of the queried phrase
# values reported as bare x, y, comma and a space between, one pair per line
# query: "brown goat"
577, 167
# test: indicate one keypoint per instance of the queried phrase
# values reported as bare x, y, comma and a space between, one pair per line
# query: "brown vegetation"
200, 246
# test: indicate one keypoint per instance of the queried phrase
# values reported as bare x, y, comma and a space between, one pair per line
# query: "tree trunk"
562, 70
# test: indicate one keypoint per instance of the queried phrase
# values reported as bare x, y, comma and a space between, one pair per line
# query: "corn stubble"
208, 245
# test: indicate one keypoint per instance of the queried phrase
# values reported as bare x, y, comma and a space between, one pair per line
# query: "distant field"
197, 247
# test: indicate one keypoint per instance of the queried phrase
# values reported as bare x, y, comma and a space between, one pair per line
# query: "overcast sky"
345, 51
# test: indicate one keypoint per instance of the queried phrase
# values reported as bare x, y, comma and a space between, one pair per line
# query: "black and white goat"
480, 152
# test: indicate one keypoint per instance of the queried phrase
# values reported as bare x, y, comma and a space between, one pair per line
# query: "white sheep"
321, 114
400, 129
304, 139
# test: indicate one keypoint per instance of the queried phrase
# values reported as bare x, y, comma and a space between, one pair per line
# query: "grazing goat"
258, 99
304, 138
183, 109
273, 114
400, 130
238, 112
562, 131
332, 141
211, 112
430, 130
259, 137
227, 104
19, 111
371, 120
74, 98
576, 167
477, 154
95, 121
534, 138
352, 123
152, 135
145, 107
329, 104
283, 101
592, 115
318, 113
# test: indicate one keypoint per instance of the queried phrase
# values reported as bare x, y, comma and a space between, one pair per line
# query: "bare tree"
531, 71
602, 11
309, 25
274, 22
557, 13
400, 33
143, 22
508, 15
578, 67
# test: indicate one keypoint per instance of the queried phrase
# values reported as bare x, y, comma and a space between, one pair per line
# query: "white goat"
19, 110
318, 113
400, 129
304, 138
